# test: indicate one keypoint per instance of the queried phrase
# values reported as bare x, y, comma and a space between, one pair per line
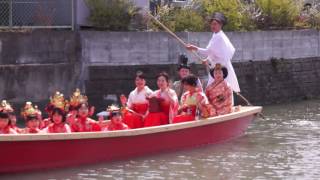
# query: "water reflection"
283, 146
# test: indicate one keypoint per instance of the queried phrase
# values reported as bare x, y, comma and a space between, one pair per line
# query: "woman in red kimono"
193, 102
168, 102
32, 115
137, 104
219, 92
5, 127
116, 123
7, 108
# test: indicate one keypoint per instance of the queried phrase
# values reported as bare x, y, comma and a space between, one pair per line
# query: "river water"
286, 145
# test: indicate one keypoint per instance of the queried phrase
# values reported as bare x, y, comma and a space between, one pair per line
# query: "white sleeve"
130, 99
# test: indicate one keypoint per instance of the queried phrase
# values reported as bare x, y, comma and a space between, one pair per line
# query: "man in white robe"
219, 50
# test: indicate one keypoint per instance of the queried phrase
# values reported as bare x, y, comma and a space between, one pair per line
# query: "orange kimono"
220, 97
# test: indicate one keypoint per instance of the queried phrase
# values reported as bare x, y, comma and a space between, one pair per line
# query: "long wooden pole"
173, 34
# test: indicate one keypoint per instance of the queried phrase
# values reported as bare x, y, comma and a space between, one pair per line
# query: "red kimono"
138, 105
8, 130
58, 128
85, 125
30, 130
191, 102
168, 105
16, 129
111, 126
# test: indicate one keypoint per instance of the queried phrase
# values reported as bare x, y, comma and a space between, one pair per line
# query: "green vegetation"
242, 15
113, 15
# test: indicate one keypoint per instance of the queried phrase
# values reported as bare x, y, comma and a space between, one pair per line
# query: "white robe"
220, 50
136, 97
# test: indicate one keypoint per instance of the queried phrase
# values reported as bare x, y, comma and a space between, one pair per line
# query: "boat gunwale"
245, 111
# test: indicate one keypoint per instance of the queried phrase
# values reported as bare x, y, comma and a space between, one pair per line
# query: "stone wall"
140, 48
272, 67
34, 65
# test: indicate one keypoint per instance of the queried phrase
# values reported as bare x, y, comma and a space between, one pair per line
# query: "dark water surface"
286, 145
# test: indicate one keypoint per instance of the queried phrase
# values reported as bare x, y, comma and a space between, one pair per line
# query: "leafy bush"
179, 19
113, 15
278, 14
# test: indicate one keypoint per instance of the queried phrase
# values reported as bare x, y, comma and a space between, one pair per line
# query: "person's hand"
205, 62
123, 100
191, 47
91, 111
71, 118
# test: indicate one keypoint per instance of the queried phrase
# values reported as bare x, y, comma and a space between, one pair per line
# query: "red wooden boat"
43, 151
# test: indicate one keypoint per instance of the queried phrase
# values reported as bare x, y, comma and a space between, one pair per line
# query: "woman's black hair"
190, 80
165, 75
140, 75
60, 112
223, 69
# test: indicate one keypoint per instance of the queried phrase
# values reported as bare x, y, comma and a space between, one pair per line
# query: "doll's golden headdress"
30, 110
6, 107
58, 101
77, 98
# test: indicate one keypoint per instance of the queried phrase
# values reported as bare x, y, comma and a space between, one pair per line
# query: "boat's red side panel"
21, 156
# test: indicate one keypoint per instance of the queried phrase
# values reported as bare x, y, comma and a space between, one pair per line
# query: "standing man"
219, 50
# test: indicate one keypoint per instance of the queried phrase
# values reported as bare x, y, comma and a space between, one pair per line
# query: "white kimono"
136, 97
220, 50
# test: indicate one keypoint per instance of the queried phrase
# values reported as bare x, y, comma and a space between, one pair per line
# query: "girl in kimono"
168, 102
219, 92
116, 123
83, 122
137, 105
7, 108
32, 115
58, 125
193, 102
5, 127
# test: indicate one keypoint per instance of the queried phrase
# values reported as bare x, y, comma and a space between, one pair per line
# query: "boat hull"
44, 154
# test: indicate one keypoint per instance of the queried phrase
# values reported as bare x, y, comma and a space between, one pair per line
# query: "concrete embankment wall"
272, 66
